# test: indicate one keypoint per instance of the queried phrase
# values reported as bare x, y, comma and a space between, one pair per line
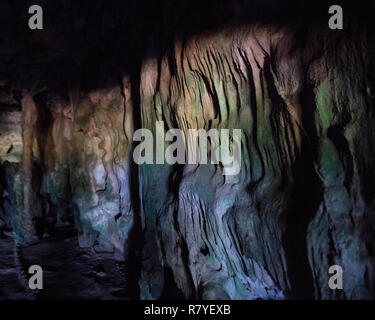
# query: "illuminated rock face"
302, 202
299, 204
100, 175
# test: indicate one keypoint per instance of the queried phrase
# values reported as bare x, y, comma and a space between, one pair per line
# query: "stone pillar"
29, 122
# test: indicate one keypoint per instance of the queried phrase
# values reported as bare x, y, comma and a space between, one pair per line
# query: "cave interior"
73, 200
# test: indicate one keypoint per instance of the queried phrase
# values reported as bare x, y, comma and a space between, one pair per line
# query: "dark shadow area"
135, 242
306, 198
170, 290
100, 41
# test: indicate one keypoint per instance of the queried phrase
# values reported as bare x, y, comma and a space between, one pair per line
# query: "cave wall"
303, 201
100, 175
11, 147
296, 208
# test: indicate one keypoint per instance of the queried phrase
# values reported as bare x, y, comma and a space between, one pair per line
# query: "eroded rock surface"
259, 234
302, 96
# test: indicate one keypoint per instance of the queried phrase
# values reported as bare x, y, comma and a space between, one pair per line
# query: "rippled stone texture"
302, 96
296, 208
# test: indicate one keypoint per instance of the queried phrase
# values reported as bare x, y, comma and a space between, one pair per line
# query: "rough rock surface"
296, 208
302, 94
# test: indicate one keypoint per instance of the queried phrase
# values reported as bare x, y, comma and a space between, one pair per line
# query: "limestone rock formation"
302, 94
258, 234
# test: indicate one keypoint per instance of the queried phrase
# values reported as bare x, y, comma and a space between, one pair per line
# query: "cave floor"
69, 272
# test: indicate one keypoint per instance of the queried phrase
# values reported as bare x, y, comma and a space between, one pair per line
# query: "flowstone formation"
296, 208
302, 95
